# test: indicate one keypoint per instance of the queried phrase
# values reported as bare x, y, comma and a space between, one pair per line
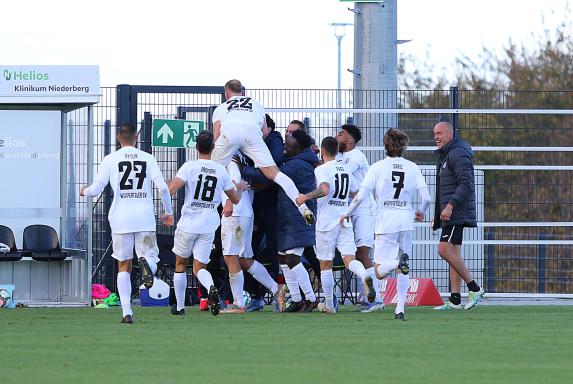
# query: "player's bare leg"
273, 173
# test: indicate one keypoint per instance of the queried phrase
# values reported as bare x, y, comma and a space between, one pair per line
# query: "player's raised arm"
99, 183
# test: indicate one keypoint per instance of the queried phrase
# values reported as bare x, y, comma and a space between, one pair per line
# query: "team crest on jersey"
346, 160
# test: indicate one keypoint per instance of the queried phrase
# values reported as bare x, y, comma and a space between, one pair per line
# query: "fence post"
541, 264
145, 135
490, 263
454, 104
126, 109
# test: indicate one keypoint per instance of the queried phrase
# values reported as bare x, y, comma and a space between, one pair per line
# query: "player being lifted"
204, 180
394, 182
237, 126
132, 215
333, 192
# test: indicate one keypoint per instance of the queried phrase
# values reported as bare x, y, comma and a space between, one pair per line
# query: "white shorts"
145, 244
328, 241
236, 236
246, 138
387, 244
198, 244
294, 251
364, 226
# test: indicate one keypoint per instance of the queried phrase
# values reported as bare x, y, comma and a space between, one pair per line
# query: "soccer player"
364, 216
204, 181
394, 181
333, 192
236, 236
131, 216
237, 125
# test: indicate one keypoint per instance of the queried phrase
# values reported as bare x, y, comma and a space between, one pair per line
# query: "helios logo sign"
25, 75
37, 84
12, 142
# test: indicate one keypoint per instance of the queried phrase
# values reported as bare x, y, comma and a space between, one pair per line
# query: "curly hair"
395, 142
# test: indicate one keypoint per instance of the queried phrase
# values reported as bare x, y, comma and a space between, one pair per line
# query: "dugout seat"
7, 237
41, 243
343, 280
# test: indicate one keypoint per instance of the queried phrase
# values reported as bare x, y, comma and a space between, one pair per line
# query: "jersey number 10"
341, 185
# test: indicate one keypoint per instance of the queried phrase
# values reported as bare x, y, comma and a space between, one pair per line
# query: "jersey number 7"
398, 182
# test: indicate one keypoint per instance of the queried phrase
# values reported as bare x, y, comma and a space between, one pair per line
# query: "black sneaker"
295, 306
400, 316
403, 260
175, 312
146, 274
214, 301
310, 306
128, 319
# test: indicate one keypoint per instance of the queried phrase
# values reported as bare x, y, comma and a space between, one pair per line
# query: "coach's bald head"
443, 133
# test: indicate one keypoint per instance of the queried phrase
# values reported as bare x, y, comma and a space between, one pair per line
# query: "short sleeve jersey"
245, 206
357, 164
394, 182
332, 206
130, 172
205, 180
241, 111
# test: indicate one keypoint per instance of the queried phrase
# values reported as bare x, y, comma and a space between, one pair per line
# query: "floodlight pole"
339, 33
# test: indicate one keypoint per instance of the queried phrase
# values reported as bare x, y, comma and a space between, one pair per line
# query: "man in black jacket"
455, 209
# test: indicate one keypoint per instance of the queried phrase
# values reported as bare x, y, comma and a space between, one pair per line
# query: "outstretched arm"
319, 192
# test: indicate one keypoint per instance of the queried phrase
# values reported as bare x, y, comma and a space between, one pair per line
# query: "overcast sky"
264, 43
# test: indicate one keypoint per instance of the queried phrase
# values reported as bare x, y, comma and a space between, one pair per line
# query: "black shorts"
452, 234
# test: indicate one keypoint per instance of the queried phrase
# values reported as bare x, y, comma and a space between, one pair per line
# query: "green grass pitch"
488, 344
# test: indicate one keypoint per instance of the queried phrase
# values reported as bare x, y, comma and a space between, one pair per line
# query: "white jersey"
332, 206
356, 163
245, 206
205, 180
130, 171
240, 111
395, 182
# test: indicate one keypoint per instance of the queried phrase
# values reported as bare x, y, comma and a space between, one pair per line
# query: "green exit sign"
176, 133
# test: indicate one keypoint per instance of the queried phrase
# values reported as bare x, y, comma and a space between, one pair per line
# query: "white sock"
179, 286
237, 280
288, 186
357, 268
327, 281
152, 264
260, 273
402, 289
361, 289
370, 272
304, 281
292, 284
205, 278
124, 290
387, 267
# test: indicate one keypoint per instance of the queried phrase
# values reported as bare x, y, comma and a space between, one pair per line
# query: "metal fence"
523, 143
